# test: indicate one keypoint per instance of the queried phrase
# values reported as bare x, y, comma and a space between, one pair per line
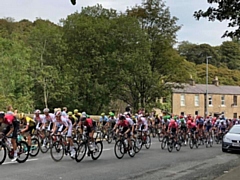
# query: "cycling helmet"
172, 121
103, 114
111, 114
2, 114
21, 115
75, 111
37, 111
58, 113
46, 110
84, 114
70, 113
122, 117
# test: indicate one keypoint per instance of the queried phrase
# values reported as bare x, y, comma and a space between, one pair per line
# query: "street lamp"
207, 58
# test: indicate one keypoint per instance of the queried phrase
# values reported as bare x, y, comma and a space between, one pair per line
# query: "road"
189, 164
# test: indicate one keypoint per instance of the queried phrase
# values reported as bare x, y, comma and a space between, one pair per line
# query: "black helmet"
2, 114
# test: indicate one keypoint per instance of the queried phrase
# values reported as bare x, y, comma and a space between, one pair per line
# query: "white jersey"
49, 118
130, 121
39, 119
143, 121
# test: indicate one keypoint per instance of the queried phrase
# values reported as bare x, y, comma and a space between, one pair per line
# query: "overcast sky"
194, 31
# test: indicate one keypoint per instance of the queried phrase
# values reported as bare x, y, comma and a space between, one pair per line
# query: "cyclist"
208, 128
63, 126
49, 120
173, 129
183, 128
125, 129
12, 128
38, 119
29, 128
73, 119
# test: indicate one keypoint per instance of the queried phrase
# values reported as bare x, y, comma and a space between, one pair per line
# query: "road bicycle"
6, 149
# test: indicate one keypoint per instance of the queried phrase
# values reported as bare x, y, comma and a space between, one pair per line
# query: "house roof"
212, 89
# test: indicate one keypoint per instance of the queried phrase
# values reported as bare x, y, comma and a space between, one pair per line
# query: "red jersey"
124, 123
173, 125
8, 119
193, 125
89, 122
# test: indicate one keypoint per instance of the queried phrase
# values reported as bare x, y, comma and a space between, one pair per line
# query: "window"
164, 100
234, 115
223, 100
235, 100
196, 113
196, 100
210, 100
182, 100
182, 113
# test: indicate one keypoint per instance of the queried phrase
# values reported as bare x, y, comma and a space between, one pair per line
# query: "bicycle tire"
164, 143
97, 144
119, 144
23, 149
190, 143
60, 148
3, 147
47, 145
79, 149
170, 146
133, 149
148, 144
37, 148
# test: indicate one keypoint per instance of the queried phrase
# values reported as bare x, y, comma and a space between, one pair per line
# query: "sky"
194, 31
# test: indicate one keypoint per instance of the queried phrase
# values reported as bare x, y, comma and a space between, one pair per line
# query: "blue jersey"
103, 119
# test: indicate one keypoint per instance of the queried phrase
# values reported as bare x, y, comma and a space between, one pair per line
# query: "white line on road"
17, 162
106, 149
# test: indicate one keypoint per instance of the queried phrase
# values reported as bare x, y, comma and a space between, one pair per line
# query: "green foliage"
96, 57
223, 10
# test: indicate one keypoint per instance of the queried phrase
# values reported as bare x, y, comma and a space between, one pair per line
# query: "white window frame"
223, 100
196, 100
182, 100
210, 96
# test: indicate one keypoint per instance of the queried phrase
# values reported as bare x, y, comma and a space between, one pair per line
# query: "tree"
223, 10
198, 53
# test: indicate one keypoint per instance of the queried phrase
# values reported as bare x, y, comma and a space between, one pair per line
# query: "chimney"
191, 81
215, 81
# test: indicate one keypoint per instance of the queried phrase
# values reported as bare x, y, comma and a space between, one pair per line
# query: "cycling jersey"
173, 125
200, 122
10, 120
64, 122
49, 118
30, 122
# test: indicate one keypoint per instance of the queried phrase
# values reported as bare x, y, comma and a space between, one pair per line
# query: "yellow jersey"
30, 122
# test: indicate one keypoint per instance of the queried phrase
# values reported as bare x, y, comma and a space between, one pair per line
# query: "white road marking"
17, 162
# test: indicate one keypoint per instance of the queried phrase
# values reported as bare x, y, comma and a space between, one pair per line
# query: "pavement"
233, 174
154, 163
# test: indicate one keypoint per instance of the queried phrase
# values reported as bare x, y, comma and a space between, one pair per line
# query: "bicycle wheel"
138, 145
96, 153
109, 137
148, 142
170, 145
57, 151
164, 143
131, 152
23, 154
3, 153
178, 146
81, 152
190, 143
45, 145
160, 137
211, 142
35, 147
119, 149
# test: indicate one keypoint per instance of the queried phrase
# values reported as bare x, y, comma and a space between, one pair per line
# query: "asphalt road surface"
155, 163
